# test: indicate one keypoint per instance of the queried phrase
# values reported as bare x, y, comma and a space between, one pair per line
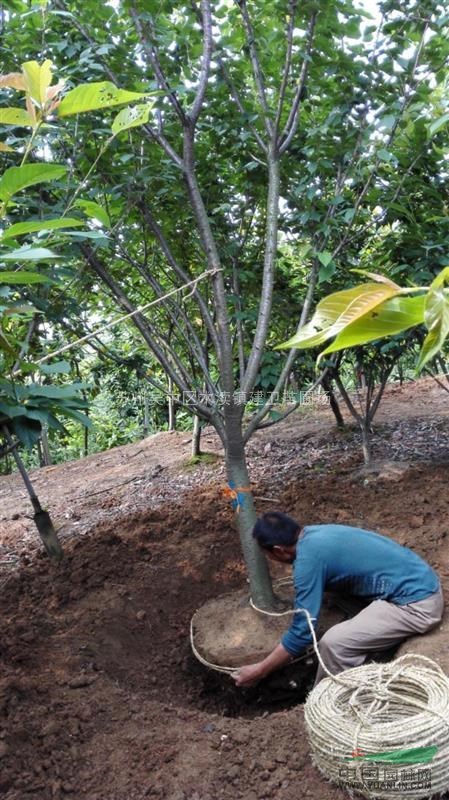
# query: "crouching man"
402, 592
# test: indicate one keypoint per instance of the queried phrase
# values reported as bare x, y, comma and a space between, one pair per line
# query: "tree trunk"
237, 473
86, 438
196, 436
46, 456
171, 407
366, 441
328, 388
41, 518
146, 416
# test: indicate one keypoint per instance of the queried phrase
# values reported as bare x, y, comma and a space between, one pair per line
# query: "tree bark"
328, 388
196, 436
171, 407
366, 442
237, 473
46, 455
41, 518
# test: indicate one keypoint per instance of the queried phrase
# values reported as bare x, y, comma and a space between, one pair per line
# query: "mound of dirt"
228, 632
100, 696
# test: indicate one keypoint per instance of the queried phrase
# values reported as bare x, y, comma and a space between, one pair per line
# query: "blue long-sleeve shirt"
353, 561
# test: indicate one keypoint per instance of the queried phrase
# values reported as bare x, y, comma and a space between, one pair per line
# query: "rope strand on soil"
376, 728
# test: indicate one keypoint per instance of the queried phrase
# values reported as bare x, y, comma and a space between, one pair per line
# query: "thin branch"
293, 117
255, 423
180, 272
84, 32
262, 413
155, 136
287, 64
266, 298
176, 314
256, 67
236, 97
153, 57
222, 340
358, 417
205, 62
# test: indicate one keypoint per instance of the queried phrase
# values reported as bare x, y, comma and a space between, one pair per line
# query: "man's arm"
309, 578
253, 673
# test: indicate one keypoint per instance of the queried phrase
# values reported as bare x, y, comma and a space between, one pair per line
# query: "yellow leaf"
5, 148
37, 80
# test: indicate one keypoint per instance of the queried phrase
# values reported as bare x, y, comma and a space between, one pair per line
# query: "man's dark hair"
276, 528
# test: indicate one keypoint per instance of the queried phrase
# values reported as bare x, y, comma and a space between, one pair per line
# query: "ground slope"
100, 698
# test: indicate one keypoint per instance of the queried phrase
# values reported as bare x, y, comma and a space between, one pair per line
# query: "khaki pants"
379, 626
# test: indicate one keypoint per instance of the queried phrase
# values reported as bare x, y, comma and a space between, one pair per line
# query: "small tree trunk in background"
365, 427
196, 436
41, 518
46, 456
86, 437
40, 454
328, 388
146, 416
360, 374
171, 407
245, 517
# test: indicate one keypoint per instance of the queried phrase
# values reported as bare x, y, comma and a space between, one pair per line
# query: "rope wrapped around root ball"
382, 730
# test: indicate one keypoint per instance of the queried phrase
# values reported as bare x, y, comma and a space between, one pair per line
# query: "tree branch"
287, 64
292, 121
152, 54
205, 62
255, 63
180, 272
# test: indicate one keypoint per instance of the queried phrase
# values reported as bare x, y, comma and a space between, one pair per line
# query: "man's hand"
253, 673
248, 676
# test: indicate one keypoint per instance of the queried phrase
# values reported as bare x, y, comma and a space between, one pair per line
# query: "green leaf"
23, 278
20, 228
28, 253
5, 345
326, 273
10, 411
436, 317
384, 155
94, 210
28, 431
90, 96
72, 413
391, 317
44, 416
55, 392
336, 311
437, 124
58, 368
16, 178
325, 257
37, 80
131, 117
16, 116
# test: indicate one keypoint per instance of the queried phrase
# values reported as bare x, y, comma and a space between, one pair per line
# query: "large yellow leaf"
91, 96
337, 311
16, 116
37, 80
436, 317
393, 316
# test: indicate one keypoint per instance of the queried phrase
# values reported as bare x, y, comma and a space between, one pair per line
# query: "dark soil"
100, 697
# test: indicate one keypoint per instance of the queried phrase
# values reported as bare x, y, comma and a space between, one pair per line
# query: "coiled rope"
381, 730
